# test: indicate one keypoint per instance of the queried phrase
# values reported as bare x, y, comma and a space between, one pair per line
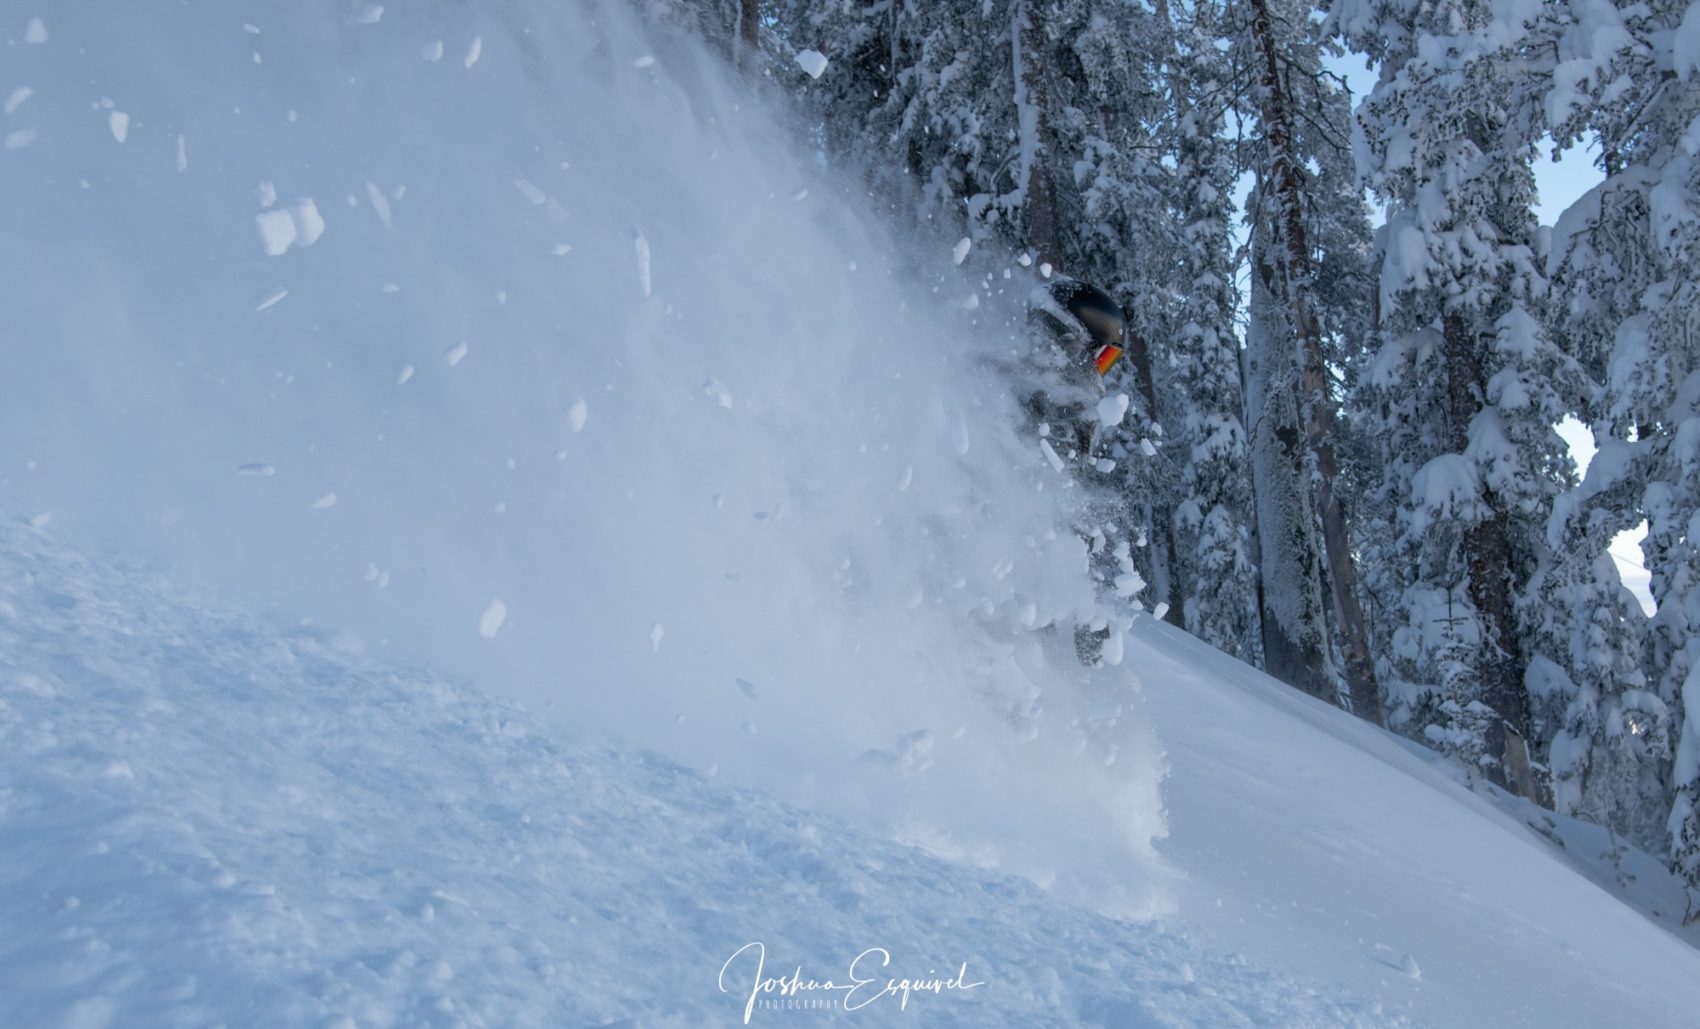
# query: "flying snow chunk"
640, 245
406, 373
1128, 584
1147, 448
1111, 654
272, 298
328, 500
119, 123
656, 631
16, 100
380, 203
559, 250
1050, 454
960, 252
277, 231
490, 622
454, 354
433, 51
40, 521
309, 224
256, 470
812, 61
474, 52
370, 14
182, 154
36, 32
20, 139
300, 225
531, 192
1111, 410
578, 415
646, 61
717, 389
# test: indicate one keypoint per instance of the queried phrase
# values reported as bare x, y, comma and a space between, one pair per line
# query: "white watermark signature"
866, 982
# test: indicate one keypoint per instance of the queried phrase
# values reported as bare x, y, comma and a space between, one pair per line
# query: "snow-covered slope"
1318, 842
203, 822
507, 342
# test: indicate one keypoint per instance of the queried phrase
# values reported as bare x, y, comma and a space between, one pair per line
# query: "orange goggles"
1107, 355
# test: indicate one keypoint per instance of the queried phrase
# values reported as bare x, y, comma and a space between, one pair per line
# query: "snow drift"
506, 340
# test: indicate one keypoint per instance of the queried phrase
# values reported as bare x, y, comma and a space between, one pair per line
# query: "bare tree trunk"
1165, 584
1291, 610
1031, 99
1487, 546
1316, 406
749, 34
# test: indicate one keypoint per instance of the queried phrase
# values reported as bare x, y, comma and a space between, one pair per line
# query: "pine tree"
1212, 519
1470, 383
1608, 736
1024, 123
1625, 257
1293, 615
1311, 602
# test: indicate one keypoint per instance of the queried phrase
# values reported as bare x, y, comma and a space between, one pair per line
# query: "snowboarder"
1078, 332
1077, 336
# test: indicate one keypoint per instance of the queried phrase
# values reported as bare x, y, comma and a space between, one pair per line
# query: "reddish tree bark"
1286, 179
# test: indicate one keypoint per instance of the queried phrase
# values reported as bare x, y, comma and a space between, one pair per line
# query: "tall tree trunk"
1165, 584
749, 34
1487, 546
1315, 404
1291, 610
1032, 97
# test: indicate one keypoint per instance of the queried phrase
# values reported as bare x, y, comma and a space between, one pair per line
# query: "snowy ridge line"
204, 821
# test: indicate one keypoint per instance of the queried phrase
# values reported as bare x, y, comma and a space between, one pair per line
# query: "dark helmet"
1067, 306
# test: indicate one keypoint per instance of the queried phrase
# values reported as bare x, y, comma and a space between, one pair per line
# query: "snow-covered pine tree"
1310, 600
1625, 256
1658, 143
1607, 713
1026, 123
1470, 382
923, 97
1607, 738
1212, 519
